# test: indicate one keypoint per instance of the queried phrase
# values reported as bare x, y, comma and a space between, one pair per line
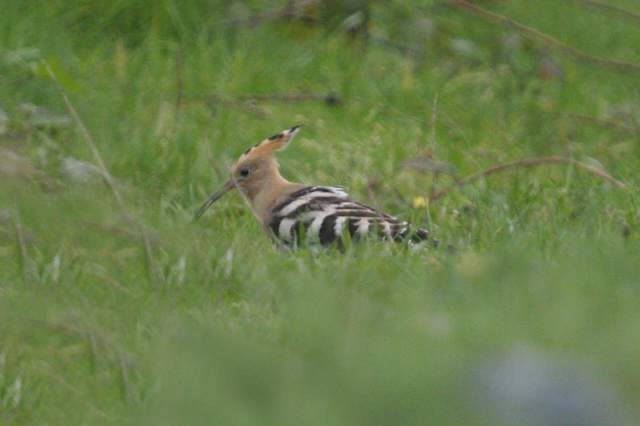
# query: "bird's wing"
325, 213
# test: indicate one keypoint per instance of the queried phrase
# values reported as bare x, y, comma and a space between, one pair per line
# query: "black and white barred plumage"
324, 214
294, 214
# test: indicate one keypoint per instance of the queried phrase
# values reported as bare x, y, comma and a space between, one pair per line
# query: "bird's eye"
244, 172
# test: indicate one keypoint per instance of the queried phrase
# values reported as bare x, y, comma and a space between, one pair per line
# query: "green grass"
208, 323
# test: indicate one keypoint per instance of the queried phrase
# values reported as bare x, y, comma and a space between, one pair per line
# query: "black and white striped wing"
324, 213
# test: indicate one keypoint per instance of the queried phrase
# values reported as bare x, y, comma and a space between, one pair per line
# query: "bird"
293, 214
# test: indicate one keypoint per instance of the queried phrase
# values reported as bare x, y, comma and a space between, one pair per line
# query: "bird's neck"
272, 191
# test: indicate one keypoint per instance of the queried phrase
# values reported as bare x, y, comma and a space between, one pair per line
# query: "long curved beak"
214, 197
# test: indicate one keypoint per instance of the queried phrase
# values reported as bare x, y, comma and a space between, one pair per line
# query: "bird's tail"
422, 236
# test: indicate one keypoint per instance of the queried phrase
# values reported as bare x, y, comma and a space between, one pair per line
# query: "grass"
207, 323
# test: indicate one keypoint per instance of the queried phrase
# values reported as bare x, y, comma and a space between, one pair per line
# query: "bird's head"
255, 168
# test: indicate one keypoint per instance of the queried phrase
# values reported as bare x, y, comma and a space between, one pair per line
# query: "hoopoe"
288, 211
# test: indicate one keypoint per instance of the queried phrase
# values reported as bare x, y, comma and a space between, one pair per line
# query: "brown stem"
574, 53
330, 98
93, 146
179, 81
26, 264
250, 102
612, 10
87, 136
607, 124
528, 162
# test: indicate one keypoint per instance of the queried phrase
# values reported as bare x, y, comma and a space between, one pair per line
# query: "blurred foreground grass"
206, 323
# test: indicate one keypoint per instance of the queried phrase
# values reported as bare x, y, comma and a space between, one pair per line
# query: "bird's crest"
272, 144
288, 211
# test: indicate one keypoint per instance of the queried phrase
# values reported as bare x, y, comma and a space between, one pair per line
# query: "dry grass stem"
610, 9
87, 136
548, 40
434, 120
26, 264
599, 122
528, 162
151, 266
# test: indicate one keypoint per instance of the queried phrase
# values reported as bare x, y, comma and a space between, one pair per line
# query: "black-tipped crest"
284, 133
273, 143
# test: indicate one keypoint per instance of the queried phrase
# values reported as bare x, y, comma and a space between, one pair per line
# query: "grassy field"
129, 312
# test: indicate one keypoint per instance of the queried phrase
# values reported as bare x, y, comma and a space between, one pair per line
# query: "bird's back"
294, 213
323, 214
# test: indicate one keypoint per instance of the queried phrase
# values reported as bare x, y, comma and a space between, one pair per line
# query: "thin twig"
528, 162
72, 328
612, 10
214, 165
87, 135
81, 395
152, 267
386, 42
550, 41
148, 255
607, 124
179, 82
288, 13
434, 120
26, 265
330, 98
123, 365
250, 102
98, 344
109, 280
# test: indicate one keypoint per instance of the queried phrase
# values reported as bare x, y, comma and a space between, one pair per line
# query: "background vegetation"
115, 307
